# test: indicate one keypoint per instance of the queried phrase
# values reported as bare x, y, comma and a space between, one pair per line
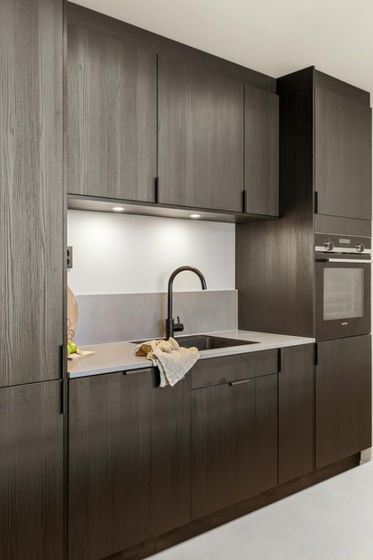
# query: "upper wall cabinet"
111, 117
261, 152
343, 154
31, 196
201, 137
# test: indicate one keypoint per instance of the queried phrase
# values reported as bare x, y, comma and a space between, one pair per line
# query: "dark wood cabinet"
296, 393
234, 443
343, 155
129, 461
31, 193
31, 472
201, 137
111, 117
261, 151
343, 398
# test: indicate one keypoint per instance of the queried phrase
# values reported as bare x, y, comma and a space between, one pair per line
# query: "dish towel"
172, 361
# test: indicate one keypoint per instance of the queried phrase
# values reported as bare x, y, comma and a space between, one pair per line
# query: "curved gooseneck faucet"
170, 326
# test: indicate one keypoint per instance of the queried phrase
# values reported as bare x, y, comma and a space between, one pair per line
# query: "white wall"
123, 254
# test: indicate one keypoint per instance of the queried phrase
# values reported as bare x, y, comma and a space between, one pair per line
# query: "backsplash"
127, 254
114, 318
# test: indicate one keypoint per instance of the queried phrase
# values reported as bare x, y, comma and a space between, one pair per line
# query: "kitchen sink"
206, 342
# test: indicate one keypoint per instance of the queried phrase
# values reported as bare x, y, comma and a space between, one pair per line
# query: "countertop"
332, 520
120, 356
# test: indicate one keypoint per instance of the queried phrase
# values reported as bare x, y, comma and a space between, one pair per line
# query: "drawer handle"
239, 382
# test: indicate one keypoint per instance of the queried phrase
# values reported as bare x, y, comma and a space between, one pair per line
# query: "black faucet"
170, 325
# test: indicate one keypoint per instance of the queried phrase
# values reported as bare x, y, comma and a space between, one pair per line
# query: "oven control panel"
342, 244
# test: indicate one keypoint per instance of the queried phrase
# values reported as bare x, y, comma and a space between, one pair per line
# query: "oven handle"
345, 261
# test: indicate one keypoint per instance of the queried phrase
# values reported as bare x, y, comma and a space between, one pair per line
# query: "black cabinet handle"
239, 382
316, 202
244, 200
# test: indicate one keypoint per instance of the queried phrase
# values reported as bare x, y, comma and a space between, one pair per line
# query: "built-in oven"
342, 286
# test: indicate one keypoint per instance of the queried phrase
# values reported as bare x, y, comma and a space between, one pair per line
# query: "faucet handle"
178, 326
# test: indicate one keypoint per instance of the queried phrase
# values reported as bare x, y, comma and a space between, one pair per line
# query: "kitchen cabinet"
296, 434
31, 192
129, 461
234, 441
201, 137
343, 398
343, 155
261, 152
111, 117
31, 472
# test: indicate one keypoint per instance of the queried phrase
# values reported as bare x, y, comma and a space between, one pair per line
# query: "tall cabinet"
325, 185
31, 280
31, 196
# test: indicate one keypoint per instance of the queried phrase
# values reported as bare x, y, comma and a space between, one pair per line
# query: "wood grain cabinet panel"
343, 398
201, 131
296, 390
129, 465
111, 117
343, 155
31, 193
216, 371
234, 443
31, 472
261, 151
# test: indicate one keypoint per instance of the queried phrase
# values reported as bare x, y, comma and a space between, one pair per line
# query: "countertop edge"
204, 355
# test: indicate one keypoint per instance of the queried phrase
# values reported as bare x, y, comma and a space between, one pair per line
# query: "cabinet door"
129, 465
111, 117
201, 129
31, 472
343, 156
343, 398
296, 413
234, 443
261, 152
31, 194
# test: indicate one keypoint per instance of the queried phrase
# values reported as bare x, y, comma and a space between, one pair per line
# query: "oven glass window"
343, 293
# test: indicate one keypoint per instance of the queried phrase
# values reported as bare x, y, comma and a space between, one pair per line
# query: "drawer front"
215, 371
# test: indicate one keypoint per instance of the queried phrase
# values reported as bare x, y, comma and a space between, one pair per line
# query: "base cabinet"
129, 466
31, 472
234, 442
343, 398
296, 401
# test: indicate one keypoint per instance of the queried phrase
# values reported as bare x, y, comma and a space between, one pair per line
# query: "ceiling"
275, 37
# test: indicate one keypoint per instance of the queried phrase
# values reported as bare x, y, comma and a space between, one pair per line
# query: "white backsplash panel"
126, 254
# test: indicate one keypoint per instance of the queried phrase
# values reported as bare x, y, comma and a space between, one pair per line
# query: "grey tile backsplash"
115, 318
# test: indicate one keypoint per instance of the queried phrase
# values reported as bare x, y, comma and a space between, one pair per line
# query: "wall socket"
69, 258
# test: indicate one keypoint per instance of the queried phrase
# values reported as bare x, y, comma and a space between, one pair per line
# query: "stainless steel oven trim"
351, 250
349, 261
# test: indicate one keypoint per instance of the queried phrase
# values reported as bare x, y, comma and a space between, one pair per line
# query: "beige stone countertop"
120, 356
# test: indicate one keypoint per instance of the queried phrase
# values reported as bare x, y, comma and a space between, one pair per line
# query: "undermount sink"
206, 342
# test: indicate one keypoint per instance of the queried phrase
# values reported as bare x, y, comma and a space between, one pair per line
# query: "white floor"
330, 521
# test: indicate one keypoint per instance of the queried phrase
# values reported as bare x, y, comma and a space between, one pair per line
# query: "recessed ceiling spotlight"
195, 215
118, 209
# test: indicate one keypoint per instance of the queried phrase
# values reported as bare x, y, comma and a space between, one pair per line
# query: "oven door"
342, 299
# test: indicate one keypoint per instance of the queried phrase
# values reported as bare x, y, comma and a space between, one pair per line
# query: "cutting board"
72, 315
78, 356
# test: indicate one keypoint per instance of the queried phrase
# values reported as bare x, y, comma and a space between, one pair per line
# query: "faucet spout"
170, 327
